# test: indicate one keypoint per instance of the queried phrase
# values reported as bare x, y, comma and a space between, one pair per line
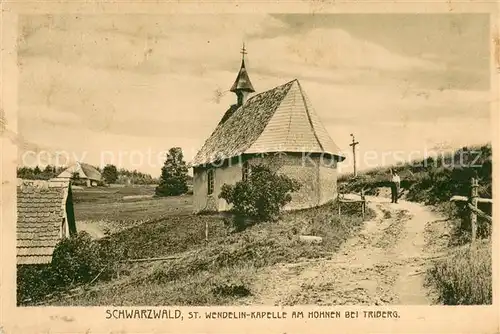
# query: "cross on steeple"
243, 51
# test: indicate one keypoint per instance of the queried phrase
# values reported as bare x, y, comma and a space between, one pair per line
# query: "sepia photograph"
233, 159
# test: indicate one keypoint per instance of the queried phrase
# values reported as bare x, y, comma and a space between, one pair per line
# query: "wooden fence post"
206, 231
363, 203
473, 200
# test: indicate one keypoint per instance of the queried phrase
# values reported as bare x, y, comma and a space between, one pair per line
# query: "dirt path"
384, 264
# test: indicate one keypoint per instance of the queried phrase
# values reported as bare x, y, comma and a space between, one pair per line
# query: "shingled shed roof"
278, 120
84, 170
41, 207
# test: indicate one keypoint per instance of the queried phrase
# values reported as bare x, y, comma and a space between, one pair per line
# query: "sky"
123, 89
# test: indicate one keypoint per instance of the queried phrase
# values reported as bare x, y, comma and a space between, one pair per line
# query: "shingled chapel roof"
278, 120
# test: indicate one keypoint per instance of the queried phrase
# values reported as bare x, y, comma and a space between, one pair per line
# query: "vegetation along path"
384, 264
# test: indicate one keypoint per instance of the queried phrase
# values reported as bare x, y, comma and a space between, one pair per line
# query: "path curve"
383, 264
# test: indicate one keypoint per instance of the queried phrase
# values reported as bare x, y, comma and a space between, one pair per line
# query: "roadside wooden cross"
353, 144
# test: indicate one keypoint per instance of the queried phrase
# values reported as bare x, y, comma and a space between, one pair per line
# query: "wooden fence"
472, 202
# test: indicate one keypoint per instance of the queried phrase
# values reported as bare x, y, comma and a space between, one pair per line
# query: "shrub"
231, 290
464, 278
33, 283
261, 196
76, 260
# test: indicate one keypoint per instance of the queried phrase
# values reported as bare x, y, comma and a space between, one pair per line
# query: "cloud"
187, 43
142, 43
367, 103
336, 48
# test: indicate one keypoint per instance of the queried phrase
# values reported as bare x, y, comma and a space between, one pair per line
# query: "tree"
25, 173
48, 172
261, 196
174, 174
110, 173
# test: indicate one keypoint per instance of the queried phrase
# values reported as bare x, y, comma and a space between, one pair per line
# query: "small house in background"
84, 173
45, 215
277, 128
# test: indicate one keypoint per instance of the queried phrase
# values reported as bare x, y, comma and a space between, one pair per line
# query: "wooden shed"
45, 215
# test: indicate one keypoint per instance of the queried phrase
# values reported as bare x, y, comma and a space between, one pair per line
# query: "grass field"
109, 194
110, 209
153, 208
117, 203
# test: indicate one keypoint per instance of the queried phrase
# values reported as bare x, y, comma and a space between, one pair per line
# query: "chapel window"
210, 181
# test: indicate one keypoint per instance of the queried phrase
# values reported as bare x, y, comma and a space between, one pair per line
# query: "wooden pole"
363, 203
473, 200
353, 144
339, 208
206, 231
172, 257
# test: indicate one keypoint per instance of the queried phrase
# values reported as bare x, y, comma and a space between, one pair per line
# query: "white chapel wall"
318, 179
204, 202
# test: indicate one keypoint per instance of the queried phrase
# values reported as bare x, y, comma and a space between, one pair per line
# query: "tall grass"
464, 277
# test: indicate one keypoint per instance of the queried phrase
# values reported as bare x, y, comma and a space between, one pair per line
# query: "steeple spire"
242, 85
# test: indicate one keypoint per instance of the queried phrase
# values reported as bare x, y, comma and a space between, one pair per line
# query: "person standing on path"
395, 186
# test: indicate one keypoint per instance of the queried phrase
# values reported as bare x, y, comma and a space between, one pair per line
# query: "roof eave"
338, 157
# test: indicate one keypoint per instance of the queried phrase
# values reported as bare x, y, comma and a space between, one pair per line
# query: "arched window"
245, 171
210, 181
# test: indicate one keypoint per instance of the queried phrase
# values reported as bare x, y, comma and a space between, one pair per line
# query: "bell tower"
242, 85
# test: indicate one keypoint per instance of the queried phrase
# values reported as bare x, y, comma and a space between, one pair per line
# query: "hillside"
216, 272
432, 180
